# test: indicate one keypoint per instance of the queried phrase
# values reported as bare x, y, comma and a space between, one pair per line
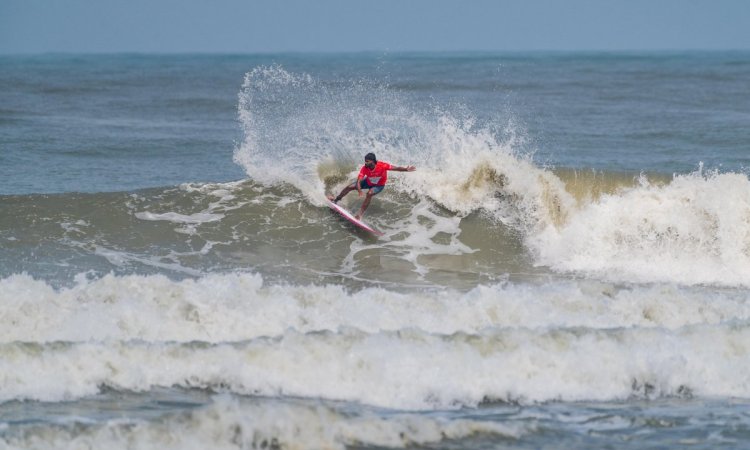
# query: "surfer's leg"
370, 193
343, 193
364, 206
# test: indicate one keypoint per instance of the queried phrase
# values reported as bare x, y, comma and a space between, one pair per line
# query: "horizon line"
384, 52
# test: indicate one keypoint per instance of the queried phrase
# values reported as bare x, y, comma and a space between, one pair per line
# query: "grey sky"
34, 26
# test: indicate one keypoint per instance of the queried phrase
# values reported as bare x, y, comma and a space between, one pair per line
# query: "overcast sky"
236, 26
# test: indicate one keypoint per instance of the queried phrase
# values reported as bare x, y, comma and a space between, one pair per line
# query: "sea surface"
568, 267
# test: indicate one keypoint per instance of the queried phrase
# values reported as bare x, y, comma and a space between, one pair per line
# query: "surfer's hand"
410, 168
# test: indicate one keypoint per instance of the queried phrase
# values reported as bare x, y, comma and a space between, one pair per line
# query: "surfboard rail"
350, 217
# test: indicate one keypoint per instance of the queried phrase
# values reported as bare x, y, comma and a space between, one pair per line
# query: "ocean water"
568, 267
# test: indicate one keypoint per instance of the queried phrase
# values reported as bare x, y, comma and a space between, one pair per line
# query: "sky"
269, 26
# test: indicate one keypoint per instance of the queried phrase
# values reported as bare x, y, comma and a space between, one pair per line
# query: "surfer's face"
369, 164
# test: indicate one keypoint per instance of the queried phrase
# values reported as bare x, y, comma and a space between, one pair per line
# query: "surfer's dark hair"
370, 157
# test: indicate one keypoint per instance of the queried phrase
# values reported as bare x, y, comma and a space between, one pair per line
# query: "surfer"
372, 176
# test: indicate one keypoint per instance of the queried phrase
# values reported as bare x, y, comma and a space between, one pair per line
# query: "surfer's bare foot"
330, 197
358, 216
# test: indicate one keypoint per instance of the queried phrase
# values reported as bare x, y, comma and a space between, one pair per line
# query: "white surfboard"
350, 217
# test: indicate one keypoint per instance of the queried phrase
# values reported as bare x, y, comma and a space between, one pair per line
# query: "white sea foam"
122, 259
180, 218
412, 237
695, 230
214, 213
566, 340
230, 423
236, 307
407, 369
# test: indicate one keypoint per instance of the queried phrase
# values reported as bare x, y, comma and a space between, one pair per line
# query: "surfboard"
350, 217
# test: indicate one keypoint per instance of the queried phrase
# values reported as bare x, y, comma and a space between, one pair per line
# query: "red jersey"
378, 175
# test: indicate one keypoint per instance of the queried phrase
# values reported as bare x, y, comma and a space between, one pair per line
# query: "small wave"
406, 369
232, 423
236, 307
